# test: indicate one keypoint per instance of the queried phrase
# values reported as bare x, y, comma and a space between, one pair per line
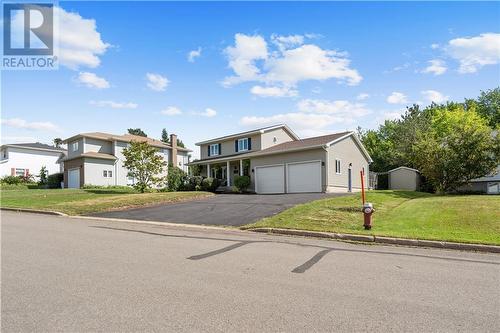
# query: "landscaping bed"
86, 201
405, 214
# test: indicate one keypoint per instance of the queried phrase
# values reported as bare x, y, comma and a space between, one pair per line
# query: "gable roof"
302, 144
36, 146
124, 138
403, 167
255, 131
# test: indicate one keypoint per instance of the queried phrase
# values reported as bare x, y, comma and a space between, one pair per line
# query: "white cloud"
91, 80
80, 43
340, 108
475, 52
192, 55
242, 57
114, 105
434, 46
273, 91
397, 98
171, 111
436, 67
434, 96
209, 113
21, 123
157, 82
292, 62
362, 96
17, 139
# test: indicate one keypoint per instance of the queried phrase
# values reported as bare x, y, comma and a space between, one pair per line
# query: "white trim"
228, 173
267, 166
403, 167
287, 183
243, 144
340, 166
241, 167
214, 145
33, 148
257, 131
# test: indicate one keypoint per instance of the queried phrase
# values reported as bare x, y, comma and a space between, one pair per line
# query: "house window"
20, 172
337, 167
75, 146
243, 144
214, 149
105, 173
110, 173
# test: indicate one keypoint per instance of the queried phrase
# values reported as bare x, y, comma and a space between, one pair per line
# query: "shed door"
74, 178
270, 179
304, 177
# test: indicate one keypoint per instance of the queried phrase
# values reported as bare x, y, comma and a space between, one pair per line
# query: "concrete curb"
33, 211
382, 240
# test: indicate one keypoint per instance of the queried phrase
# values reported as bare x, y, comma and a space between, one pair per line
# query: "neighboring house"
278, 161
404, 178
21, 159
97, 158
489, 184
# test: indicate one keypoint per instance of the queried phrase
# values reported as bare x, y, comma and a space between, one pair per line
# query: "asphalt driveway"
221, 209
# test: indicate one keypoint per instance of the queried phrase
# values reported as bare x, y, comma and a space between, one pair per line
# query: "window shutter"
249, 143
220, 149
12, 171
208, 150
236, 145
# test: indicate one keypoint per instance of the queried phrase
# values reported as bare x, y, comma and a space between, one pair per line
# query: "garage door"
270, 179
304, 177
493, 188
74, 178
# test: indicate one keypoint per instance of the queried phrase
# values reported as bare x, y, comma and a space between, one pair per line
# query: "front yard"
460, 218
86, 201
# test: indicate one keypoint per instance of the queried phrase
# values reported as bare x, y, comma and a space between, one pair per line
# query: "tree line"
449, 143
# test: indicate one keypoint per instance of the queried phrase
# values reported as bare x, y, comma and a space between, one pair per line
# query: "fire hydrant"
367, 212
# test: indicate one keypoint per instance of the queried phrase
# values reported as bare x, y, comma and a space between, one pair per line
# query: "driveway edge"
33, 211
382, 240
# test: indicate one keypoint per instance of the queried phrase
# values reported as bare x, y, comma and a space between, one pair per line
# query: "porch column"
228, 173
208, 170
241, 167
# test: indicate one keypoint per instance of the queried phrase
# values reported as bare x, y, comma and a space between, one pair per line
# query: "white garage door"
270, 179
74, 178
304, 177
493, 188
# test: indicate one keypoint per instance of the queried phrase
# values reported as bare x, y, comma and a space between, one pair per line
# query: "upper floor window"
337, 167
214, 149
75, 146
243, 144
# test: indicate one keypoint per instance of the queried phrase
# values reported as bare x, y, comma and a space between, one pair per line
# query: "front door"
349, 179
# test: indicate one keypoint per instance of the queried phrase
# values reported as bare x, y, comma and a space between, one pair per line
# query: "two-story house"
22, 159
278, 161
97, 158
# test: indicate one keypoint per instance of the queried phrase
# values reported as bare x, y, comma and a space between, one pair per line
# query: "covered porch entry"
226, 171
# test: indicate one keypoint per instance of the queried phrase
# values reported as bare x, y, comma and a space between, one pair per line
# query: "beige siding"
98, 146
404, 179
274, 137
227, 146
317, 154
72, 153
93, 170
348, 152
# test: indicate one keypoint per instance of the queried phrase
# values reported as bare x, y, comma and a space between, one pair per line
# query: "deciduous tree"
143, 164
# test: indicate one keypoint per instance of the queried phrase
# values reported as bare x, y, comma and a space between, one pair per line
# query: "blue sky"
319, 67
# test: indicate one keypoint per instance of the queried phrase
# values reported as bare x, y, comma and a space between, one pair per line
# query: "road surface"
64, 274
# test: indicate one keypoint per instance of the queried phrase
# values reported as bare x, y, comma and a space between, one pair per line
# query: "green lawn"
85, 201
458, 218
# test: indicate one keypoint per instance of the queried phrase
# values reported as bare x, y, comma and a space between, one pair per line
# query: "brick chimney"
173, 143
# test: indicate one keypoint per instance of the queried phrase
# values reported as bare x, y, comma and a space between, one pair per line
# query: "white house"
23, 159
97, 159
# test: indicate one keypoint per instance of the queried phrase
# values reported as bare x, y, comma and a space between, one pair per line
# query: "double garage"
296, 177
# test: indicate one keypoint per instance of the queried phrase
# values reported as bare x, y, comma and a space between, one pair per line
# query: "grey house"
278, 161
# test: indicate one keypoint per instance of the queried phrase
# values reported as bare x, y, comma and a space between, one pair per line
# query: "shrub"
54, 180
11, 180
209, 184
43, 176
242, 183
176, 178
193, 183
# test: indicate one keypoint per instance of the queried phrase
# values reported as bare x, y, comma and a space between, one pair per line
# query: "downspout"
327, 169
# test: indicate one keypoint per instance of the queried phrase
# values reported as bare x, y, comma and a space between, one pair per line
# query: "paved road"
222, 209
62, 274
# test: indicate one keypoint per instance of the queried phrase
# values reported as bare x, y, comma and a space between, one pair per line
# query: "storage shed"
404, 178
